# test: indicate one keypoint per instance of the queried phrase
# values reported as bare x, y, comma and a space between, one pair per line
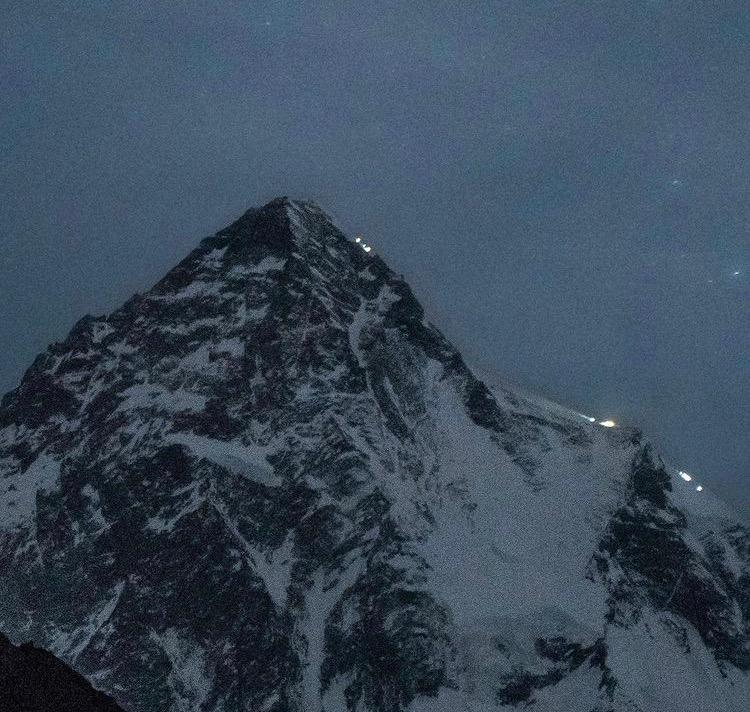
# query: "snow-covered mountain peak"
270, 483
283, 223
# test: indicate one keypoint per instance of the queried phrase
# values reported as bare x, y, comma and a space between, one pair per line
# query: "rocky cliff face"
33, 680
270, 484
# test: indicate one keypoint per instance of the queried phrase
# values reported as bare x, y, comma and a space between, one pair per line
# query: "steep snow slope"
270, 484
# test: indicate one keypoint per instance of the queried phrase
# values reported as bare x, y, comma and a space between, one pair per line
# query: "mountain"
33, 680
269, 483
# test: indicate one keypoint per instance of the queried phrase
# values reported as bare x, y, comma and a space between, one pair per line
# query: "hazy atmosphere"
564, 184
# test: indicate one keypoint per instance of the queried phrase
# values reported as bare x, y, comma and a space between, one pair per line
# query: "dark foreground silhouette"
33, 680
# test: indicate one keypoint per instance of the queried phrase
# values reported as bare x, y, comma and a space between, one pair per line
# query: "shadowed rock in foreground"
33, 680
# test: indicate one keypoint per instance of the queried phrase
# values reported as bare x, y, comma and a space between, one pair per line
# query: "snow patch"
196, 289
189, 677
273, 568
213, 259
100, 330
71, 645
359, 321
266, 265
233, 347
162, 524
150, 395
247, 460
320, 599
18, 492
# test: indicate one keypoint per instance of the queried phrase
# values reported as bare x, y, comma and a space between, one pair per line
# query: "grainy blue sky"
565, 184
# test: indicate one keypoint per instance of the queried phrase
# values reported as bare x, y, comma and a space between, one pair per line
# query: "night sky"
564, 184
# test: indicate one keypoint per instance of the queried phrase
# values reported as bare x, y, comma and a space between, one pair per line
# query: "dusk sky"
565, 185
